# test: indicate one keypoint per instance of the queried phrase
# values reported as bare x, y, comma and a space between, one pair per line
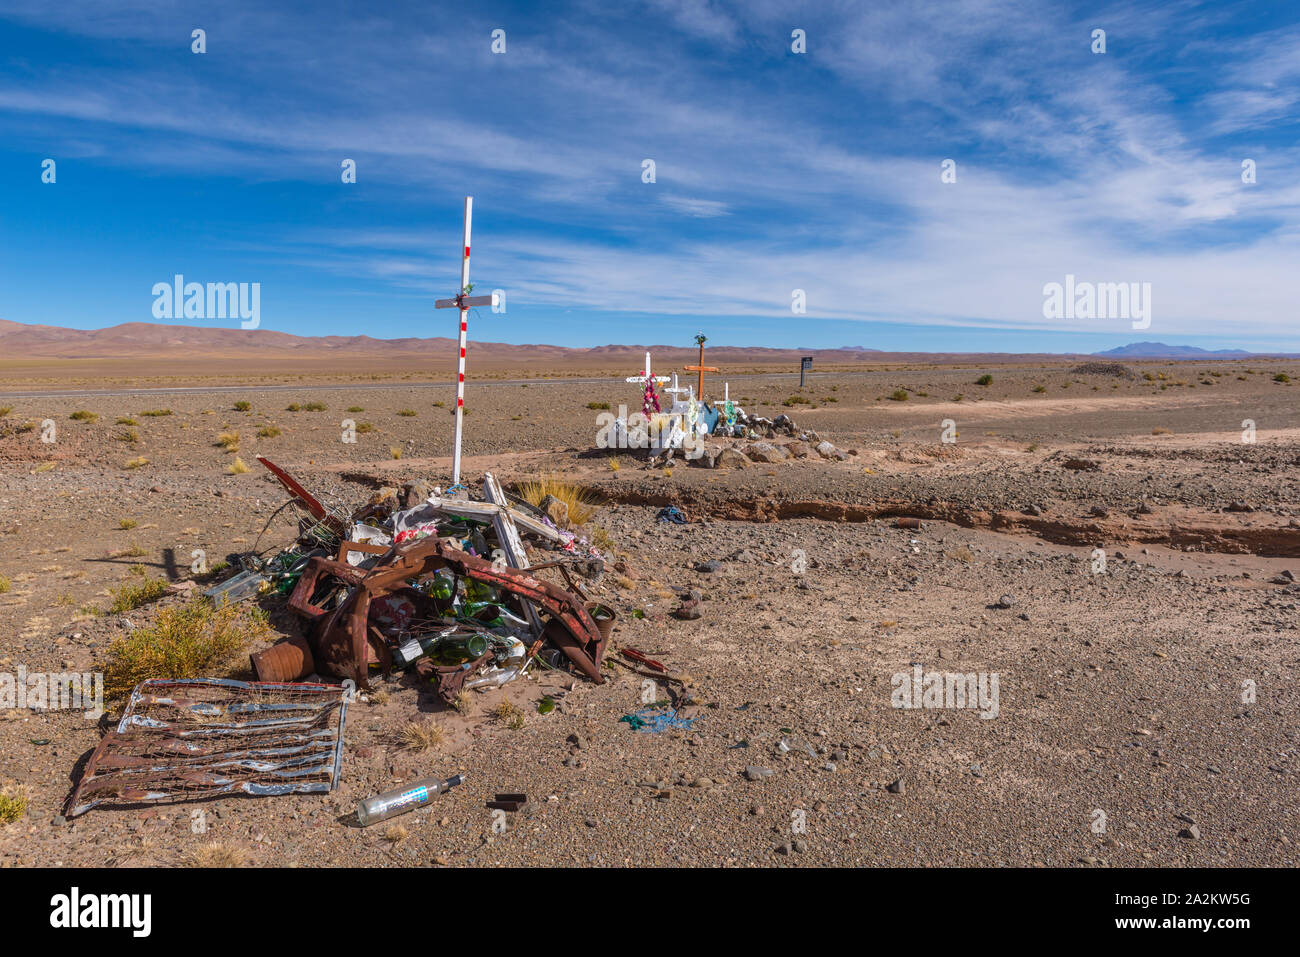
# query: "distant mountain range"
141, 340
1159, 350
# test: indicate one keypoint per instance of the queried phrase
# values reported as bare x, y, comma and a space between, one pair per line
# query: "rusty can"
604, 616
287, 660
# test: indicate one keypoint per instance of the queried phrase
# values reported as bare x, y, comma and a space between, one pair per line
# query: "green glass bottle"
458, 649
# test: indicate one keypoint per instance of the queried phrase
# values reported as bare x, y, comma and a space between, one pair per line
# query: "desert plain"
1117, 544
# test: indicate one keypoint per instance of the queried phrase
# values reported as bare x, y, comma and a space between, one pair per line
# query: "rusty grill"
182, 740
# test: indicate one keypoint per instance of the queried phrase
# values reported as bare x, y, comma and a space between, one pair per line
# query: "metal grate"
189, 739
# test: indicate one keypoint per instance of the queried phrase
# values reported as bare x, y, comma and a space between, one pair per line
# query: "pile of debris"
444, 588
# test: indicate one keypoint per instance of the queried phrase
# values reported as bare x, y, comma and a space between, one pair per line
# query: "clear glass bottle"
383, 806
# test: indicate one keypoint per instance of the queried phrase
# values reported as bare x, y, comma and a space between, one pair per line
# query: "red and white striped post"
463, 302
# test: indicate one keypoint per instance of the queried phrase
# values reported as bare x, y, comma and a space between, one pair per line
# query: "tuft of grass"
128, 435
355, 408
960, 554
598, 405
395, 834
364, 427
134, 594
243, 405
796, 400
581, 506
216, 854
268, 432
82, 415
136, 463
12, 806
463, 702
985, 379
613, 463
509, 714
1159, 430
395, 451
421, 735
194, 640
127, 524
898, 395
5, 584
228, 441
314, 407
1040, 388
406, 413
236, 467
440, 405
5, 410
293, 407
1281, 377
156, 413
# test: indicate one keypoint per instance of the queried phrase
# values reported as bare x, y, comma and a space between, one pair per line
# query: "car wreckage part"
344, 636
182, 740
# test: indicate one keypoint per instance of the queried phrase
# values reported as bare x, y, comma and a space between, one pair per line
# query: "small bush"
581, 506
12, 807
236, 467
598, 405
314, 407
406, 413
5, 584
985, 379
5, 410
1040, 388
127, 524
1281, 377
81, 415
293, 407
134, 594
135, 463
268, 432
127, 435
355, 408
194, 640
395, 451
898, 395
243, 405
421, 735
215, 854
364, 427
228, 441
126, 421
156, 413
795, 400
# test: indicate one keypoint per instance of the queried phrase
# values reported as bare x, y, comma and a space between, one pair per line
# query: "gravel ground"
1125, 732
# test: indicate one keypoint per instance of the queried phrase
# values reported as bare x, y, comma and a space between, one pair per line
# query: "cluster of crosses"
683, 416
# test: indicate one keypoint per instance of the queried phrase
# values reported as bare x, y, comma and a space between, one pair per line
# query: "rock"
1033, 510
758, 774
702, 783
783, 423
729, 458
798, 450
384, 496
1190, 833
783, 849
1006, 601
557, 510
766, 452
800, 846
1239, 507
707, 458
709, 567
689, 611
1099, 511
1144, 508
1082, 465
415, 492
896, 787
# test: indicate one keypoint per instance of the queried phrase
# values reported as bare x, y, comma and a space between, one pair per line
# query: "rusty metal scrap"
342, 634
182, 740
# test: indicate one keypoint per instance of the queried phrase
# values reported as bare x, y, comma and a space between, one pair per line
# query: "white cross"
463, 301
643, 379
675, 390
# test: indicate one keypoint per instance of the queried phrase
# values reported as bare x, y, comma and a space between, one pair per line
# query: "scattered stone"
557, 510
1099, 511
896, 787
1190, 833
1082, 465
758, 774
689, 610
729, 458
709, 567
1006, 601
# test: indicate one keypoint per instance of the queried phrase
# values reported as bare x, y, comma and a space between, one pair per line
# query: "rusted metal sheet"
197, 738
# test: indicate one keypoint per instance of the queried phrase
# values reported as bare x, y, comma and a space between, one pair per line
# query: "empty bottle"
383, 806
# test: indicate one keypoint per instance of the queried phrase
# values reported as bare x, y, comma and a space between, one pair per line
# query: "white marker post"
463, 302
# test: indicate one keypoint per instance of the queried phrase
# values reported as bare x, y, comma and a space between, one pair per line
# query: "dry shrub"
194, 640
421, 735
215, 854
578, 499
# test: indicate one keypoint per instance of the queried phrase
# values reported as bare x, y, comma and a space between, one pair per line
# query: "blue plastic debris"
670, 513
654, 720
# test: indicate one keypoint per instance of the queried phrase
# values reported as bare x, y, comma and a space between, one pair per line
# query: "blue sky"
775, 170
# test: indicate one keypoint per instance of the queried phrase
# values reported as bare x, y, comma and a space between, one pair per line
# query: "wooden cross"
700, 368
463, 301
